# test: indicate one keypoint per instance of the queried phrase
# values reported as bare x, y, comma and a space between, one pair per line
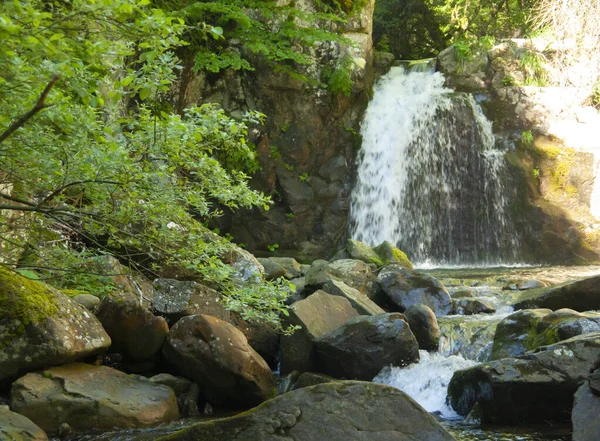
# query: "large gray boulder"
18, 427
354, 273
41, 327
217, 356
424, 326
136, 333
383, 254
586, 409
358, 300
91, 397
316, 315
582, 295
364, 345
276, 267
336, 411
406, 288
510, 390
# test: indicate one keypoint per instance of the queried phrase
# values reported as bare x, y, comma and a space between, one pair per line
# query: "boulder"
40, 327
424, 326
217, 356
18, 427
336, 411
406, 287
91, 397
364, 345
530, 284
582, 295
531, 328
179, 385
462, 294
358, 300
263, 337
136, 332
466, 306
586, 408
275, 267
175, 299
311, 378
87, 300
464, 74
510, 390
383, 254
317, 315
354, 273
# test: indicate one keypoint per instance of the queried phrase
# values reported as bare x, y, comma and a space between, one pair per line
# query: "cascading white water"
427, 381
429, 176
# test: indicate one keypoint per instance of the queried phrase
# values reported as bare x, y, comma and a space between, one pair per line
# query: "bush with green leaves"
92, 163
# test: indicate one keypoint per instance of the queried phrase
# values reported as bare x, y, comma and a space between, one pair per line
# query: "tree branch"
39, 106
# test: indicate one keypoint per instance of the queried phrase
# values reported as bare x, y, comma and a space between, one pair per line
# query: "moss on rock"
24, 299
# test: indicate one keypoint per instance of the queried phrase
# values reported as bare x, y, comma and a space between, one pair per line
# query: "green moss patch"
24, 299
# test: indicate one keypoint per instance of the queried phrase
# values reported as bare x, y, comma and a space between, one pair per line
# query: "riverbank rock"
383, 254
336, 411
358, 300
586, 409
582, 295
217, 356
91, 397
510, 390
14, 426
364, 345
175, 299
275, 267
41, 327
424, 326
531, 328
406, 288
466, 306
136, 333
354, 273
317, 315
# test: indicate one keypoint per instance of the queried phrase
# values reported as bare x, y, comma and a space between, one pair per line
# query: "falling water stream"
430, 178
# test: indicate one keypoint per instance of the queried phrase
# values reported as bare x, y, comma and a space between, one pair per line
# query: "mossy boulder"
364, 345
15, 427
217, 356
91, 397
383, 254
40, 327
336, 411
316, 315
406, 287
510, 390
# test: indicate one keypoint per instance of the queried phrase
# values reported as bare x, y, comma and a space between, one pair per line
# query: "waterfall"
429, 176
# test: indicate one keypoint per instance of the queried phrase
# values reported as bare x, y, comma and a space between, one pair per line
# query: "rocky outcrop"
383, 254
217, 356
316, 315
508, 391
364, 345
42, 327
136, 333
406, 288
354, 273
17, 427
275, 267
358, 300
337, 411
582, 295
586, 408
424, 326
91, 397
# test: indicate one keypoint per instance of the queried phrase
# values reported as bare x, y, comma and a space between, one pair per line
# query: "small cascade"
427, 381
429, 176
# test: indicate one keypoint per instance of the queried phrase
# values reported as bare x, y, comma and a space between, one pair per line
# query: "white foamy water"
427, 381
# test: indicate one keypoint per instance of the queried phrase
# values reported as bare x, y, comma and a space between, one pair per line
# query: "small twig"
39, 106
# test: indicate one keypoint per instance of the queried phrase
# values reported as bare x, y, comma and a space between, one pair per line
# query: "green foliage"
288, 167
303, 177
275, 154
339, 78
595, 97
536, 173
93, 162
273, 247
532, 64
290, 215
527, 138
462, 53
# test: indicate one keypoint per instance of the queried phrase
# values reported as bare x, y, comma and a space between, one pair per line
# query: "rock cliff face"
548, 131
307, 146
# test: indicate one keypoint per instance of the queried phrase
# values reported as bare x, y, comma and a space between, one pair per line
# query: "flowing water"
430, 178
